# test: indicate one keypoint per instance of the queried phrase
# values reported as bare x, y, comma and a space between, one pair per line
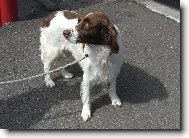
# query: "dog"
93, 34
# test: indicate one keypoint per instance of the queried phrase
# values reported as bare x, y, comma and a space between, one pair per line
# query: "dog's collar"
86, 55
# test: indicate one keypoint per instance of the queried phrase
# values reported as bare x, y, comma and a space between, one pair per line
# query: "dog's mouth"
67, 38
68, 34
74, 40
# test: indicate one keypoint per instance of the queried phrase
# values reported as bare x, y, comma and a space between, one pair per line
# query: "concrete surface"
33, 9
162, 9
148, 85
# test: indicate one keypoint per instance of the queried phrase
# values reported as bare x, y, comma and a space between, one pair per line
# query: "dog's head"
94, 28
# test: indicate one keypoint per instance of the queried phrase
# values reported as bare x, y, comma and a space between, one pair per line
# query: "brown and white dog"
92, 34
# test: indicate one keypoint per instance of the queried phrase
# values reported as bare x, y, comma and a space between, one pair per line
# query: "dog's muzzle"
67, 33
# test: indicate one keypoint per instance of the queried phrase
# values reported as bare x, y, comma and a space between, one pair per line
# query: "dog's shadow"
24, 110
134, 85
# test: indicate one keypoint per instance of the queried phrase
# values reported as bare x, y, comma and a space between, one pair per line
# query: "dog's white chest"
101, 66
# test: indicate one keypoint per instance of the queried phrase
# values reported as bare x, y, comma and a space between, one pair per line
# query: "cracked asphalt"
148, 85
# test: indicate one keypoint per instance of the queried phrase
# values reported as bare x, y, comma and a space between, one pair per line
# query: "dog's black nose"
67, 33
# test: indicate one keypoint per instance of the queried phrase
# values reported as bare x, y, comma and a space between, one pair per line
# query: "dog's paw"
116, 102
86, 115
50, 83
68, 75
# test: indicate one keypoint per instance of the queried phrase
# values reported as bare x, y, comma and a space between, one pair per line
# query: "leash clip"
86, 55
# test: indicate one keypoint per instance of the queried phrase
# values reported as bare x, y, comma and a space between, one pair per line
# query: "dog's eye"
88, 25
86, 20
79, 20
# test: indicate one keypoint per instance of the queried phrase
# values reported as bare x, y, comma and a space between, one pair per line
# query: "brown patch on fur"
113, 42
97, 29
47, 19
70, 14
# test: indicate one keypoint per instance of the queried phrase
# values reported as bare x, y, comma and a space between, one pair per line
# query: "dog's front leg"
85, 97
113, 95
48, 80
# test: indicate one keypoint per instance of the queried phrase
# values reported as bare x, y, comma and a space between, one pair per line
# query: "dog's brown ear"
114, 44
46, 20
109, 34
106, 36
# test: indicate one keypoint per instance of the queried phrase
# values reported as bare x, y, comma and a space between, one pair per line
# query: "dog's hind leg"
64, 72
48, 60
113, 95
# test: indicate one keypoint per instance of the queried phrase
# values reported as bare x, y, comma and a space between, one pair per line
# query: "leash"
42, 74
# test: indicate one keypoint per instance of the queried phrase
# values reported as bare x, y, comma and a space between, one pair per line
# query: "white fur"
99, 67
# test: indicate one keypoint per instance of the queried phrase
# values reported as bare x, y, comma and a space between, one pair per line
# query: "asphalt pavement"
148, 85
